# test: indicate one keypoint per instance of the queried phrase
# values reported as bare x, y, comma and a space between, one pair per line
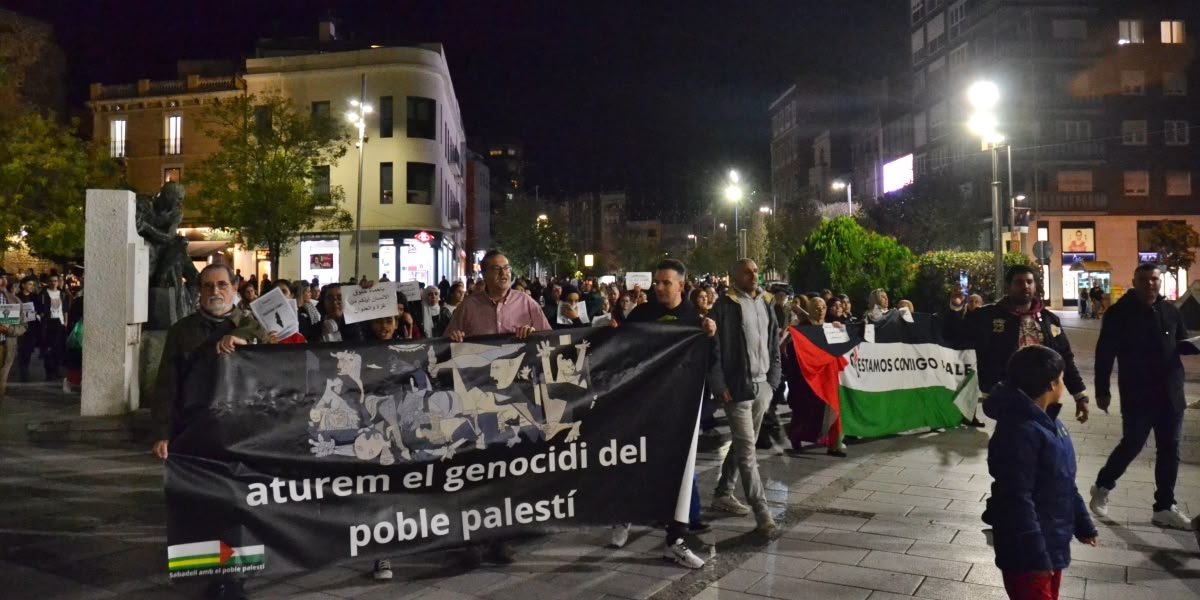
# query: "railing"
166, 87
1085, 150
170, 146
116, 148
1088, 201
217, 83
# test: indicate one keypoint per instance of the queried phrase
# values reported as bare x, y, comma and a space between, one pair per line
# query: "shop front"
417, 255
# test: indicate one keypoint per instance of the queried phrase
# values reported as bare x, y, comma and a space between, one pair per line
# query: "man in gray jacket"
748, 342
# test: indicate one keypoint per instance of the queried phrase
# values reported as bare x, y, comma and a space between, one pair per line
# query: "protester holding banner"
572, 312
1020, 319
1035, 508
748, 355
333, 326
1150, 382
877, 306
497, 310
430, 317
670, 307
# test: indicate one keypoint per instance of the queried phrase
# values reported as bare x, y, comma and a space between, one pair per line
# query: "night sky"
658, 98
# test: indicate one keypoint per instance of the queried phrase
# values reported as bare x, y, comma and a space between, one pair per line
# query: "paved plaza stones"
897, 519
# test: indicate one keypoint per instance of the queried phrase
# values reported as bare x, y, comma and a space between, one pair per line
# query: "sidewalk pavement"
899, 518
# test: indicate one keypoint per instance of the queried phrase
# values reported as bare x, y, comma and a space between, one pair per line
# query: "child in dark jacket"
1035, 508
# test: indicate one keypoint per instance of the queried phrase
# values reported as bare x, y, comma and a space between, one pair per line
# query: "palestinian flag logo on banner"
211, 558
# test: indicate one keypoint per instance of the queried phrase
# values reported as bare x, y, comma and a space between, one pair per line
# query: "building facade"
1097, 105
414, 168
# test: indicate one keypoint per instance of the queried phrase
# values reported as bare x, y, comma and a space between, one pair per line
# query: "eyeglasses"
499, 270
220, 285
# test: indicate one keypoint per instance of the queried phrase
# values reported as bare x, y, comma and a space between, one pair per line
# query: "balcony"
1084, 150
170, 146
1049, 49
1069, 201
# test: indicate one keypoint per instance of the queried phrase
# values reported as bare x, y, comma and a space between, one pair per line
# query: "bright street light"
734, 177
840, 185
766, 210
542, 217
359, 118
983, 95
733, 193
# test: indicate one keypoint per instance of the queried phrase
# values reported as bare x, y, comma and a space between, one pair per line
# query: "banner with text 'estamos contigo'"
289, 458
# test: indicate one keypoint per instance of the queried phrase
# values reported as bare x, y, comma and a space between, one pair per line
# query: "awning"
1092, 266
205, 249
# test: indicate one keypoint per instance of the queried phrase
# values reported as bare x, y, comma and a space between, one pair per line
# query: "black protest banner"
288, 458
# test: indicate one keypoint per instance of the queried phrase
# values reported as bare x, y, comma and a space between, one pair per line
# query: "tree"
937, 275
1175, 242
45, 171
786, 230
931, 214
528, 240
636, 251
844, 257
711, 255
266, 183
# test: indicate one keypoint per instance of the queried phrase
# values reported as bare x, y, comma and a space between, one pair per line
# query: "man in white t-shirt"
54, 306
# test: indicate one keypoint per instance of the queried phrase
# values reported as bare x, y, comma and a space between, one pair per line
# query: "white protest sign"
410, 289
641, 279
276, 313
30, 312
377, 301
869, 333
835, 334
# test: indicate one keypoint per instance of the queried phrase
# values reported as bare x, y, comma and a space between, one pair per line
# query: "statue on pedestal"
173, 278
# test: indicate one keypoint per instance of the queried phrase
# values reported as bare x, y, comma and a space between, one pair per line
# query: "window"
320, 187
918, 45
1130, 32
935, 32
1075, 181
420, 183
262, 121
1179, 183
937, 74
937, 117
116, 138
385, 183
422, 118
1137, 183
918, 84
1174, 84
1133, 133
1175, 133
1073, 131
918, 10
1069, 29
959, 58
1133, 83
385, 116
320, 109
957, 15
1172, 32
920, 135
172, 174
173, 145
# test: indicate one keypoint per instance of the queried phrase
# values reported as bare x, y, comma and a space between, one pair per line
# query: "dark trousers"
54, 347
1167, 425
708, 410
26, 344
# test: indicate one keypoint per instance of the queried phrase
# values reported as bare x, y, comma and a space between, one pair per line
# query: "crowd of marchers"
1024, 364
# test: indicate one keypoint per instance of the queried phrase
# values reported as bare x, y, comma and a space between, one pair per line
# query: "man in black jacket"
1143, 331
997, 331
748, 351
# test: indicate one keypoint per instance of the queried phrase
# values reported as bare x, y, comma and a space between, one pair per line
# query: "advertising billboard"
897, 174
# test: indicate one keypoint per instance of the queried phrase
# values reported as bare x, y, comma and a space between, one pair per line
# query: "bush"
844, 257
937, 276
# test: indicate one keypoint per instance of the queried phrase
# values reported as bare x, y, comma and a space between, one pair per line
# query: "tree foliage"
636, 251
1175, 242
45, 171
931, 214
844, 257
786, 230
527, 240
261, 184
712, 255
937, 275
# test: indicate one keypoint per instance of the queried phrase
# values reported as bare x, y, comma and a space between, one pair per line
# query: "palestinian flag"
894, 376
211, 555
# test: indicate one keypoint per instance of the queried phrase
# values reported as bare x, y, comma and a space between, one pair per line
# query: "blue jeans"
1167, 426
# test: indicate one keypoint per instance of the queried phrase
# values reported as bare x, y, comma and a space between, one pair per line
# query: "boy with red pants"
1035, 508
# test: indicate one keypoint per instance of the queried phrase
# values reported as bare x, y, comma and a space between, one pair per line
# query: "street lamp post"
358, 117
983, 97
849, 186
733, 193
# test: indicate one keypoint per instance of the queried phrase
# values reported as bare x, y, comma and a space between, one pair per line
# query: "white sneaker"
1099, 501
682, 555
620, 535
1172, 518
383, 570
729, 504
66, 385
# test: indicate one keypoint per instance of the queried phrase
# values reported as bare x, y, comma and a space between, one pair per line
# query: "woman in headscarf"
877, 306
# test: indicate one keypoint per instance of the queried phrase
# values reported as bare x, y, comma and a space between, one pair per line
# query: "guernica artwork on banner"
285, 459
